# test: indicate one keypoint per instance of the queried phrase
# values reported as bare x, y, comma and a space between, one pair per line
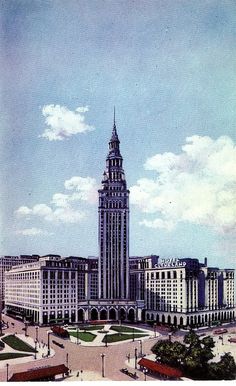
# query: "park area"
19, 348
99, 335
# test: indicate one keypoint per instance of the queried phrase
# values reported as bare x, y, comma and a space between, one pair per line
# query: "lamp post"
106, 340
67, 360
26, 328
35, 348
77, 335
145, 373
49, 343
103, 370
135, 357
155, 329
141, 348
37, 333
169, 336
133, 334
128, 357
7, 370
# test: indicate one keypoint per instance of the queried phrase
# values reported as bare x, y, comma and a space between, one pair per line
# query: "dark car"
61, 345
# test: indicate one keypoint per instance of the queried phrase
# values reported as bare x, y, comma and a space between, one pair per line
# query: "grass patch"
125, 329
17, 344
119, 337
92, 328
85, 336
11, 355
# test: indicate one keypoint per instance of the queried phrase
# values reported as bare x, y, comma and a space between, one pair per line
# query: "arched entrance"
94, 314
112, 314
131, 314
175, 321
103, 315
163, 319
169, 320
81, 315
143, 315
122, 314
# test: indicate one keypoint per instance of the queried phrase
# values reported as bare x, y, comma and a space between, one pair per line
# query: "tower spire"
114, 124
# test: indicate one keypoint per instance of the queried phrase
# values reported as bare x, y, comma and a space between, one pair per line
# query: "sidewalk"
41, 354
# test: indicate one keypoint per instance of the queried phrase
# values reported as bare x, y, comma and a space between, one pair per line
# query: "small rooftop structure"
163, 370
41, 374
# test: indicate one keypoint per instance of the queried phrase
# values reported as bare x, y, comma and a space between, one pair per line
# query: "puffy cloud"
85, 188
64, 207
23, 211
196, 186
60, 199
63, 123
31, 232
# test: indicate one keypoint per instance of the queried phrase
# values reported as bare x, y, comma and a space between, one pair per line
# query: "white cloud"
65, 208
196, 186
23, 211
63, 123
85, 188
31, 232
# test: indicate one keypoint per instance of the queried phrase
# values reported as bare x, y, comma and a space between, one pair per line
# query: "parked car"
61, 345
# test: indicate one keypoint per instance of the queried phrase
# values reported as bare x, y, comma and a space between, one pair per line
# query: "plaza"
85, 361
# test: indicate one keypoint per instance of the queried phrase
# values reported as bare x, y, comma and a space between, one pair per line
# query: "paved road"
89, 358
80, 357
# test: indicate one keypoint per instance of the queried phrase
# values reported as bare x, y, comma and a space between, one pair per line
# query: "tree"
193, 358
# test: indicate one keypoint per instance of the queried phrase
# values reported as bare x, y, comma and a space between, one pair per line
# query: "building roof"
170, 372
37, 374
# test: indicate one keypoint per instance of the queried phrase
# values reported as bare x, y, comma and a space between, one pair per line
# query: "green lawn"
85, 336
17, 344
125, 329
11, 355
119, 337
92, 328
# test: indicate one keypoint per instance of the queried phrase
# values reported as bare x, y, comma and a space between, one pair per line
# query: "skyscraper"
114, 226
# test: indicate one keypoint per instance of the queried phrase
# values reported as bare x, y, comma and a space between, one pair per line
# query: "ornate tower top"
114, 173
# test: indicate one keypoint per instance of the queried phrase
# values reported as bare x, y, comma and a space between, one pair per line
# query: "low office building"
184, 292
45, 291
6, 263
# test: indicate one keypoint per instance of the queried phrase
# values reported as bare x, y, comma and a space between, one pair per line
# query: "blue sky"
169, 68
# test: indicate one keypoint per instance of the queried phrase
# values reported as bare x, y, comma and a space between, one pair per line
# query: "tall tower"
113, 236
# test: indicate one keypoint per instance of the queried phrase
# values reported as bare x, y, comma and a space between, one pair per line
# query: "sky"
169, 68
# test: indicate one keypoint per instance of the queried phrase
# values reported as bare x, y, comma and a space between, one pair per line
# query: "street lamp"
77, 335
103, 371
37, 333
135, 357
133, 334
128, 357
145, 373
106, 340
7, 370
35, 348
67, 360
141, 348
49, 332
26, 328
155, 329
